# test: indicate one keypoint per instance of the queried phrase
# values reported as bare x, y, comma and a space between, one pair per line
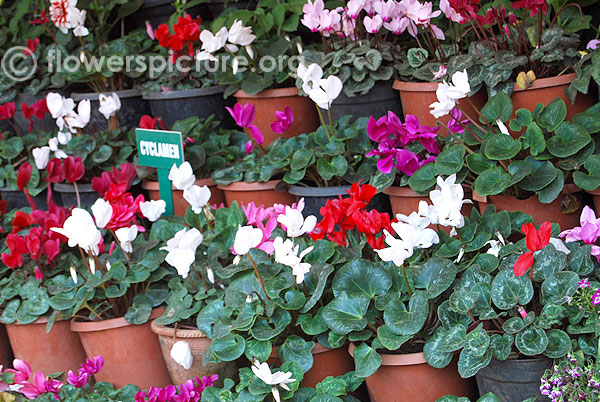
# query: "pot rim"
307, 191
113, 323
397, 191
169, 332
69, 188
269, 93
540, 83
595, 192
185, 93
39, 321
485, 199
155, 186
251, 186
408, 86
408, 359
94, 96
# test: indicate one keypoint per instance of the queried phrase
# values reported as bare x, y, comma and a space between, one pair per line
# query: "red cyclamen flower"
533, 6
7, 111
535, 240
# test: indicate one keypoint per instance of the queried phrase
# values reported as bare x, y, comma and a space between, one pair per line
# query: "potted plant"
185, 87
386, 298
256, 58
512, 311
263, 381
103, 67
208, 147
117, 285
36, 322
271, 287
355, 47
511, 171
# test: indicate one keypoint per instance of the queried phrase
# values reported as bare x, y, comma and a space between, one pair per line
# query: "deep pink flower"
454, 124
249, 147
284, 121
78, 380
244, 117
93, 365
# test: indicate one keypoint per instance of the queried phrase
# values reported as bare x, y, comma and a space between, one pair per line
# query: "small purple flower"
284, 121
596, 298
584, 283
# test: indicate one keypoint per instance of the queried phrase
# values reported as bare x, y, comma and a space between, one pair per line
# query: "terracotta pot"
58, 350
417, 96
596, 195
326, 362
180, 205
405, 201
306, 119
199, 344
132, 353
545, 90
541, 212
6, 353
408, 377
261, 193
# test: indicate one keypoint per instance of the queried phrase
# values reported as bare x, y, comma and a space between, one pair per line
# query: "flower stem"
322, 121
406, 281
258, 275
77, 195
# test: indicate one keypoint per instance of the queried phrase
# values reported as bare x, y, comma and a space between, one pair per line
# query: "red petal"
523, 263
531, 236
544, 235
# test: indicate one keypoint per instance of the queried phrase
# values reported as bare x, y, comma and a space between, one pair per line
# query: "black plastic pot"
513, 380
381, 99
216, 7
159, 11
16, 199
65, 195
133, 107
179, 105
316, 197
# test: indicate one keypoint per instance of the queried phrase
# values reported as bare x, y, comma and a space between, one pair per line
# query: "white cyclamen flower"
287, 254
79, 119
102, 211
197, 197
410, 237
73, 275
126, 236
182, 250
182, 177
502, 127
41, 157
182, 354
152, 210
295, 223
81, 231
448, 200
53, 145
327, 91
109, 104
246, 238
310, 76
275, 380
241, 35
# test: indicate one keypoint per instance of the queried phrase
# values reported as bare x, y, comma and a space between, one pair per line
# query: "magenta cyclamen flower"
456, 124
78, 380
93, 365
394, 139
284, 121
190, 391
264, 219
244, 117
596, 298
588, 232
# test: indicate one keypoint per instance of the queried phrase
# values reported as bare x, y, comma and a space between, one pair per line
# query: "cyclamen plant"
189, 391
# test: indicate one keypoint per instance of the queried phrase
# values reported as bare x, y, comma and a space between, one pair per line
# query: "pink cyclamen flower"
593, 44
78, 380
354, 7
440, 73
150, 31
584, 283
312, 14
93, 365
249, 147
284, 121
588, 232
456, 124
374, 24
244, 117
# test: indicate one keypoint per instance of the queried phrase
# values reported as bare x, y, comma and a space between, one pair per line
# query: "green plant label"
161, 150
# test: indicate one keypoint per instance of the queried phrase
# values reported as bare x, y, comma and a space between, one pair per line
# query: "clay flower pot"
596, 195
132, 353
541, 212
417, 96
545, 90
199, 345
326, 362
261, 193
180, 205
306, 119
52, 352
404, 200
408, 377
